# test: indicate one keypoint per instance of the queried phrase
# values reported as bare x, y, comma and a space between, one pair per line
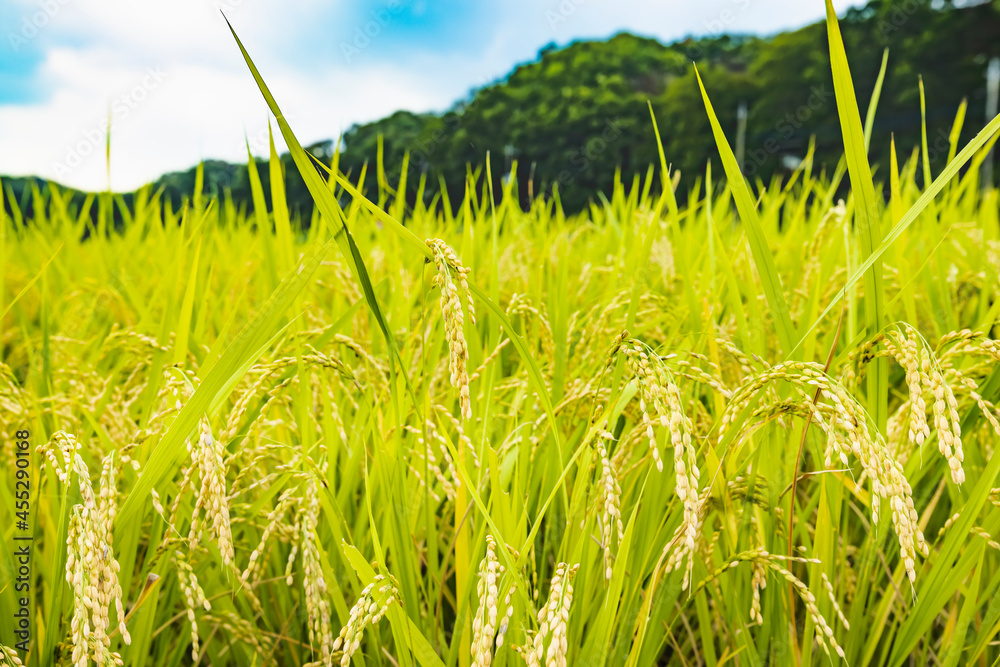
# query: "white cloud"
171, 107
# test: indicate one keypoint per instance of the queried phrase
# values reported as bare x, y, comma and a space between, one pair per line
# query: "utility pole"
992, 94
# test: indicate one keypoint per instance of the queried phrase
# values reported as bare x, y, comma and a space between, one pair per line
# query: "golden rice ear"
375, 600
10, 656
91, 568
194, 597
314, 581
659, 392
550, 640
851, 436
208, 457
485, 624
611, 516
449, 268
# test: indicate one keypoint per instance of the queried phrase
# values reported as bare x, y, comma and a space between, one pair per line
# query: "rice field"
704, 422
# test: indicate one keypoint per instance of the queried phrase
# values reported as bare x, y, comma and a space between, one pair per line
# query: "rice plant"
754, 424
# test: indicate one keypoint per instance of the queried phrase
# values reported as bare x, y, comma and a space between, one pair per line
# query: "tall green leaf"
866, 210
762, 257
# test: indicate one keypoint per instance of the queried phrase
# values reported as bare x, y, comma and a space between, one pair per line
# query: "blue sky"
172, 82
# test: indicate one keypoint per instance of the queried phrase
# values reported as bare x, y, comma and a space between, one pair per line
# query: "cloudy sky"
170, 77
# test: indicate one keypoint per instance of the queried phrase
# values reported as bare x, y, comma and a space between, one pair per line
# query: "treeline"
577, 113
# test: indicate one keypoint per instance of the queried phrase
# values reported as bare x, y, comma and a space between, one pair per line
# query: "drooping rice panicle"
371, 606
550, 641
316, 594
9, 657
611, 518
194, 597
91, 568
212, 498
860, 440
451, 307
484, 625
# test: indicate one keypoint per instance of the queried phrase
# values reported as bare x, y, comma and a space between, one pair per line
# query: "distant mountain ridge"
579, 112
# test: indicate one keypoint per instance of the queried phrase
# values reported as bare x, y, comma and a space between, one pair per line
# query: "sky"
171, 80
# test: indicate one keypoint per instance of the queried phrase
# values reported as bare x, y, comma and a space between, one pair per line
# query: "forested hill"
578, 112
